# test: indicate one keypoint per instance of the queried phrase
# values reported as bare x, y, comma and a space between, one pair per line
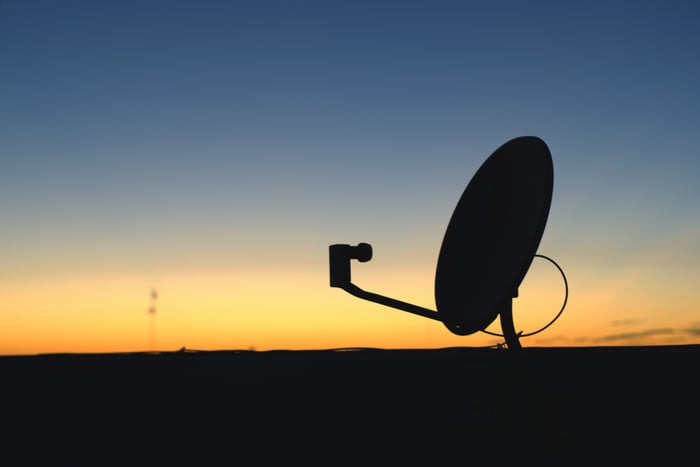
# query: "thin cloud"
626, 322
694, 331
688, 334
635, 335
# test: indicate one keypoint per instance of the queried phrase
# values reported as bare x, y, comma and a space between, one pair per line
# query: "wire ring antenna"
563, 306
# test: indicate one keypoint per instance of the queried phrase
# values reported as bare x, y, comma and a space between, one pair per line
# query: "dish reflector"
493, 235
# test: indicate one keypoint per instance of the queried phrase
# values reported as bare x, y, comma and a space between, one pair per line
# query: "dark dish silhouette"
488, 246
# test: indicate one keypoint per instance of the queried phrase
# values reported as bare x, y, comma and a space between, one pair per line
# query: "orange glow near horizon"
299, 310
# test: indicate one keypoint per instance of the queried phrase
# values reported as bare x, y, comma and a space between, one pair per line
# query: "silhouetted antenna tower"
152, 312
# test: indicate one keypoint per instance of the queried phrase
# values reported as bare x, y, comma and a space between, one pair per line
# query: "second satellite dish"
488, 246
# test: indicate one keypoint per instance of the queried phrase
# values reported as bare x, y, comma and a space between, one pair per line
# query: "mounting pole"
507, 326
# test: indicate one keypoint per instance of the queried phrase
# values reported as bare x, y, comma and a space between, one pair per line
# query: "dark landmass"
548, 406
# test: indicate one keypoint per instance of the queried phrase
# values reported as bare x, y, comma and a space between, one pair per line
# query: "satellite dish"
493, 235
489, 243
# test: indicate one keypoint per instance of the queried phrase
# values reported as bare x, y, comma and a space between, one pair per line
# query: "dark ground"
554, 406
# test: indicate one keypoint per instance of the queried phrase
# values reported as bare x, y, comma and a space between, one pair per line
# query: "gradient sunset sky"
213, 150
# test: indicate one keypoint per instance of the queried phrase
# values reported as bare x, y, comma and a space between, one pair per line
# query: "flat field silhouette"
460, 406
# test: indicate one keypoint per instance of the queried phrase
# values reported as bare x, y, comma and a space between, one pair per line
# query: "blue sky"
168, 137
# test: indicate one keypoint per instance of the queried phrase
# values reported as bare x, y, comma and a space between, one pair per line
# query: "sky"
213, 150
